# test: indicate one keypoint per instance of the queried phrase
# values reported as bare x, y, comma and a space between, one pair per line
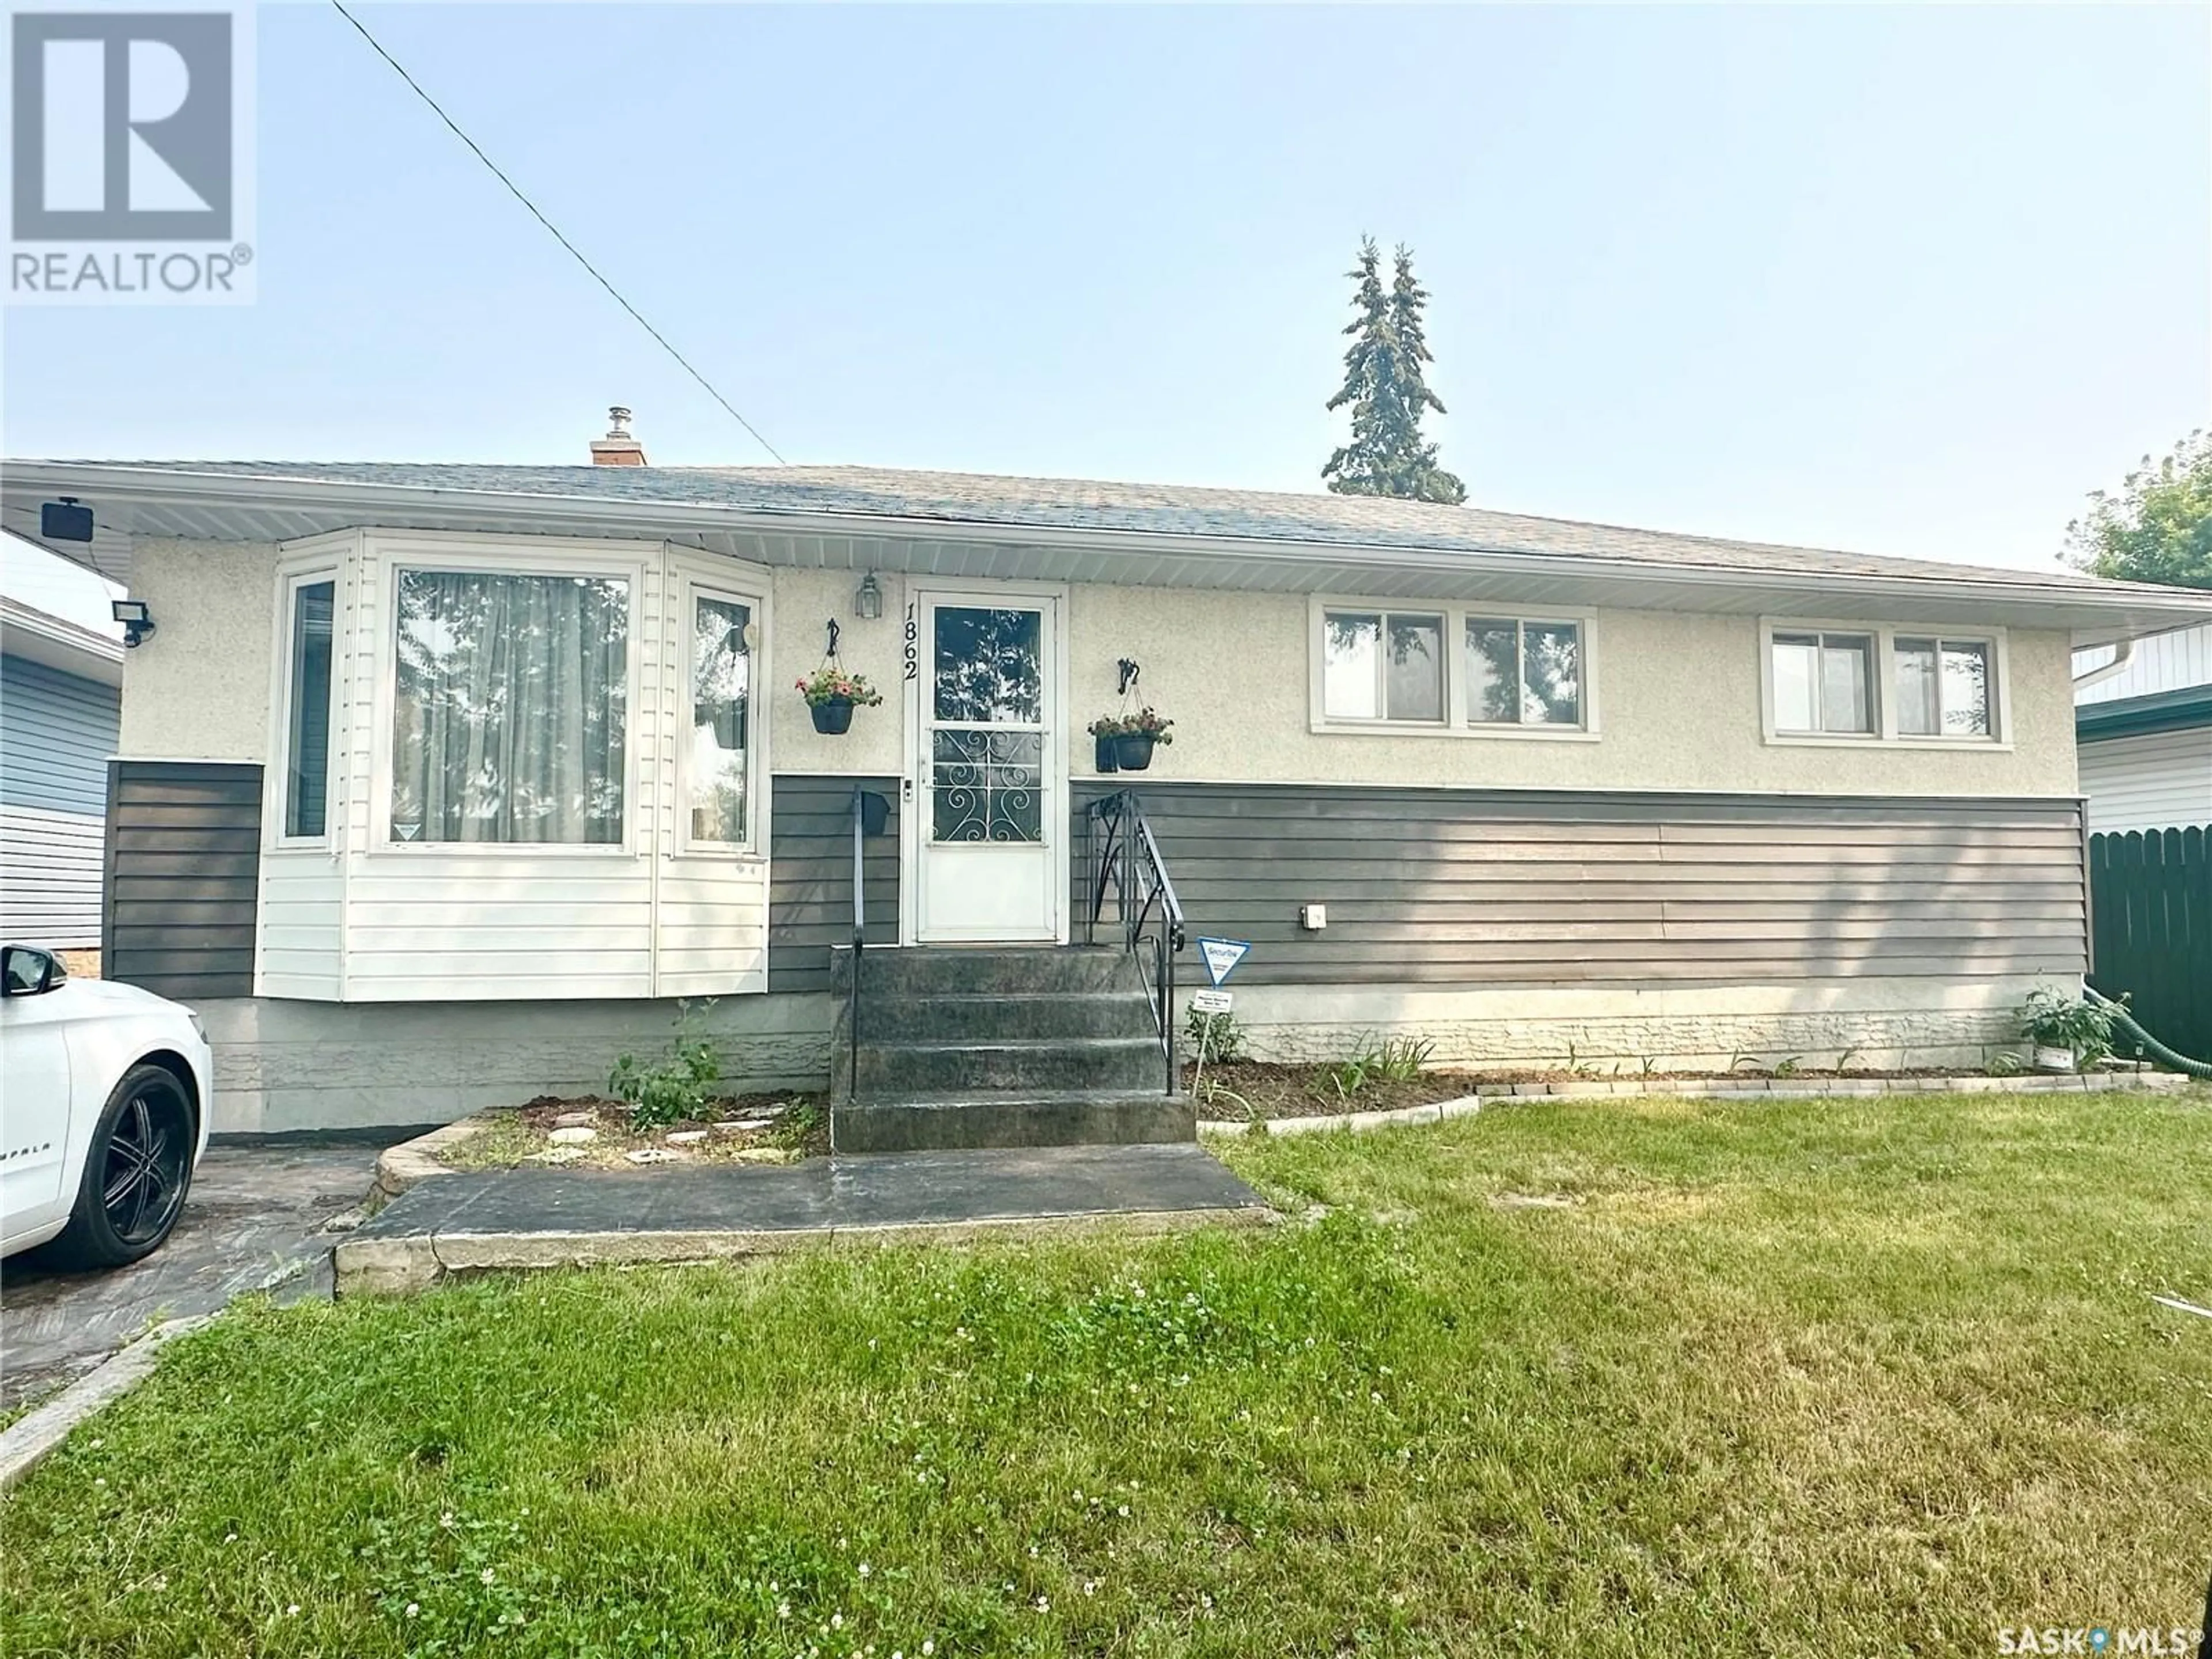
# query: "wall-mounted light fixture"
138, 622
64, 521
868, 601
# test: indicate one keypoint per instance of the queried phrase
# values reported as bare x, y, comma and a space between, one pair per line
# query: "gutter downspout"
2124, 655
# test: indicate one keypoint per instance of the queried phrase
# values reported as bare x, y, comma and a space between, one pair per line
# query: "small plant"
1400, 1060
2002, 1063
1576, 1065
1212, 1093
830, 683
1844, 1060
1740, 1061
1349, 1077
2052, 1019
1788, 1067
1217, 1039
1647, 1065
1147, 722
671, 1090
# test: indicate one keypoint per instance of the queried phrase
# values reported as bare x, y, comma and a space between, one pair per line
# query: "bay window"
1465, 670
510, 707
307, 708
717, 779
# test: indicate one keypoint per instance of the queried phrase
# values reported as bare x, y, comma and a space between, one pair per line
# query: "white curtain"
510, 709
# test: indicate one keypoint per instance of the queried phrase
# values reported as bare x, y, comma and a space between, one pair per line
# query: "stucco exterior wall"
1678, 698
199, 689
1677, 693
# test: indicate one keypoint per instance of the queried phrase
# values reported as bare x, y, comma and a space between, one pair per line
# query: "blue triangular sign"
1221, 956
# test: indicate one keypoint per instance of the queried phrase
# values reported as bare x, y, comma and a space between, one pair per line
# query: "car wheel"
137, 1172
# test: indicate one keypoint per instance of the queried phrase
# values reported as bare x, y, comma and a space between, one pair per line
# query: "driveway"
255, 1219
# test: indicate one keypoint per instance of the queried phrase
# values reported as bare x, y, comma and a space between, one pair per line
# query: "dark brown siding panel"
184, 863
809, 895
1465, 887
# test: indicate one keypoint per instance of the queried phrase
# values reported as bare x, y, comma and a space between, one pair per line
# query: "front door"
990, 763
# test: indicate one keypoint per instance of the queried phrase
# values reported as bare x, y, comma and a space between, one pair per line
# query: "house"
60, 696
440, 784
2143, 725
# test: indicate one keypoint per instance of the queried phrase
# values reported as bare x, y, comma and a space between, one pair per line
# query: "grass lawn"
1587, 1377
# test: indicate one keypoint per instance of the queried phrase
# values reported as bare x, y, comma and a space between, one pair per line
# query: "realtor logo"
127, 129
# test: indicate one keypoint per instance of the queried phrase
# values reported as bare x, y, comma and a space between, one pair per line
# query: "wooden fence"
2150, 905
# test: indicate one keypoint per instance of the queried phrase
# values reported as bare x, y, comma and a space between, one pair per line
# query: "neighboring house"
440, 784
2145, 734
60, 698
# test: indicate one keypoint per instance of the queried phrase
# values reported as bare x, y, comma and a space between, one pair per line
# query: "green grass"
1841, 1375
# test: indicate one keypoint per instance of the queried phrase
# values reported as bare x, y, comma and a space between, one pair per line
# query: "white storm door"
989, 839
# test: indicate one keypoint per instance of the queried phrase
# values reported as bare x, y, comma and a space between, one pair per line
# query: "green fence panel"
2150, 899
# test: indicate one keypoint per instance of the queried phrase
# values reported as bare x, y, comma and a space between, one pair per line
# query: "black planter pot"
1132, 751
1102, 755
834, 717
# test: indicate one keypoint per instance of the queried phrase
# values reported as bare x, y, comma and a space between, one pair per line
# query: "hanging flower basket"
1126, 742
831, 695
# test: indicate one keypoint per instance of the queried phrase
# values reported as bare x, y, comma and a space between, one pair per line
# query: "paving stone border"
33, 1437
399, 1168
1699, 1089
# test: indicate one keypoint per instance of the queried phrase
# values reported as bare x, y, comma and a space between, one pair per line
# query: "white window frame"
1455, 723
319, 561
689, 584
1885, 734
495, 556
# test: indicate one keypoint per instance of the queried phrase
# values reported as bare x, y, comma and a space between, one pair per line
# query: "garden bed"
592, 1132
1246, 1091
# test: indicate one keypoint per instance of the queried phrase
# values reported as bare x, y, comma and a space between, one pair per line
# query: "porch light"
868, 602
138, 622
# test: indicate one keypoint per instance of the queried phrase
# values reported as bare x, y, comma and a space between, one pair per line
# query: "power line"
515, 190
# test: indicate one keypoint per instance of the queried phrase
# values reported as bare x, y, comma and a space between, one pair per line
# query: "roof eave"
2124, 610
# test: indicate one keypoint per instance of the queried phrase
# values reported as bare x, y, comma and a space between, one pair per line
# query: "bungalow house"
440, 784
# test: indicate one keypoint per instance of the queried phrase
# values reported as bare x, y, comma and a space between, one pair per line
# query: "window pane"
1552, 674
1351, 686
1968, 698
307, 751
986, 786
510, 707
1493, 670
1917, 708
1845, 678
989, 666
1417, 668
1797, 669
721, 689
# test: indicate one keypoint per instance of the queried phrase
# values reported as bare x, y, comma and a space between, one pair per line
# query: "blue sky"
1906, 280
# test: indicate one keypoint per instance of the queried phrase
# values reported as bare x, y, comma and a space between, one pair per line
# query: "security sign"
1222, 956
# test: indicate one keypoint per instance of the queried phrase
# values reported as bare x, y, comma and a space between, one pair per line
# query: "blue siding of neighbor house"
57, 733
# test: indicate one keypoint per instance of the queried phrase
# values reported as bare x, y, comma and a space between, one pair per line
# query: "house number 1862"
913, 644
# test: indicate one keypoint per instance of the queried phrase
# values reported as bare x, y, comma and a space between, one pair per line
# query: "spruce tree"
1384, 383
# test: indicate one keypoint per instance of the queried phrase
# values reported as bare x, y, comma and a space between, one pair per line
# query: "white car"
104, 1107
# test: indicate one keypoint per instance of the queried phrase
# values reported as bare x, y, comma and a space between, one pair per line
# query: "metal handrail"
1128, 863
860, 944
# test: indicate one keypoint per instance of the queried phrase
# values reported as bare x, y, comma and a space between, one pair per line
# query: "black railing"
1121, 857
860, 944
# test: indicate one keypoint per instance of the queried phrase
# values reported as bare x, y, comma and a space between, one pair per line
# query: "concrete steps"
1040, 1046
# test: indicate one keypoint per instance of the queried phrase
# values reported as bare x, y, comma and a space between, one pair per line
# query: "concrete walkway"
254, 1219
542, 1218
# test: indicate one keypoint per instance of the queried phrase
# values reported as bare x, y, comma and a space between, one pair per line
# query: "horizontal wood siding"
57, 731
183, 864
49, 869
810, 903
1464, 887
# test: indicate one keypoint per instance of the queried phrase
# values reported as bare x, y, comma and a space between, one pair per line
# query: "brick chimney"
618, 447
